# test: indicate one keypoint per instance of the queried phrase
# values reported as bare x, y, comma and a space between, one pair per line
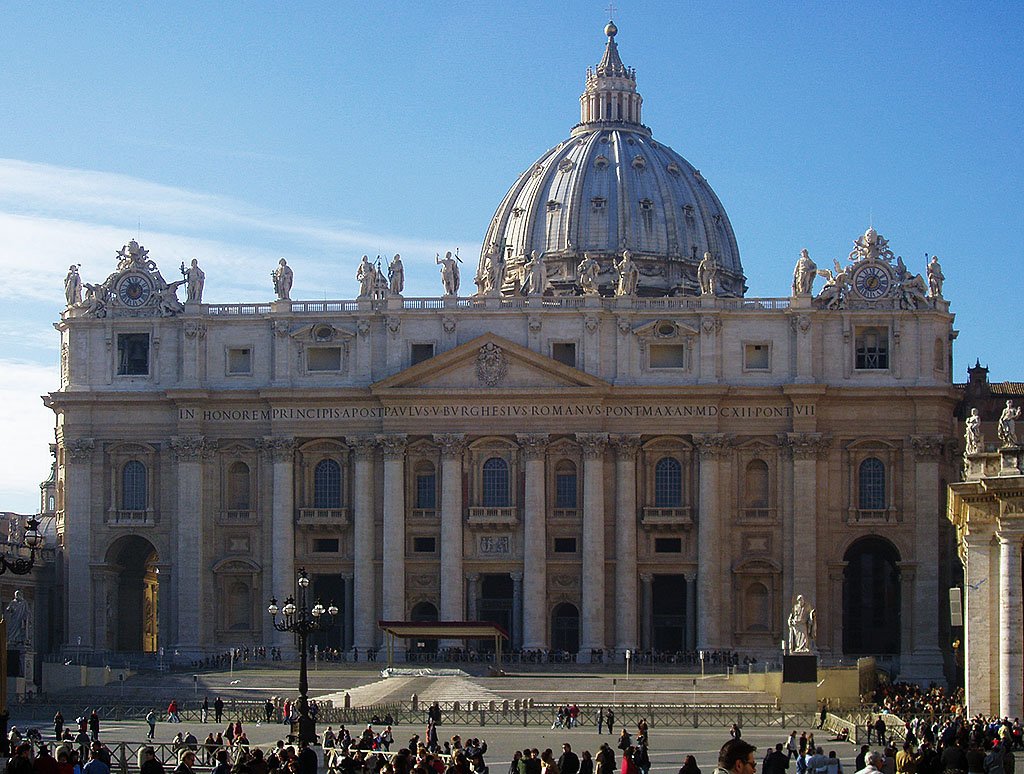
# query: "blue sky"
239, 133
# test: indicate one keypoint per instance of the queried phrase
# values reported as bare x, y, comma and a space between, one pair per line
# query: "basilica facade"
606, 445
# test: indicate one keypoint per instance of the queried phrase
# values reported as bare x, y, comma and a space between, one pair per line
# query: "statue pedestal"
1011, 460
395, 301
800, 301
280, 306
800, 668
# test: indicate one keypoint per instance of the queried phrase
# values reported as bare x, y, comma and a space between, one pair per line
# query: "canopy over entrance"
446, 630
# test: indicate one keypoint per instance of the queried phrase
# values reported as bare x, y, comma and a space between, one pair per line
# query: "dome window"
598, 202
666, 329
688, 211
517, 212
565, 165
553, 206
323, 332
631, 141
538, 170
646, 204
639, 162
601, 162
673, 168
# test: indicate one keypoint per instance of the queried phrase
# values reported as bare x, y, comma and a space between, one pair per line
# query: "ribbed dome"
608, 188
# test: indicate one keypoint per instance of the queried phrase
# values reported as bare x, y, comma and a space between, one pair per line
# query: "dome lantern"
610, 95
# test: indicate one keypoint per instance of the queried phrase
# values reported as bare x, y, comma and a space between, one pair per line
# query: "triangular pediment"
489, 362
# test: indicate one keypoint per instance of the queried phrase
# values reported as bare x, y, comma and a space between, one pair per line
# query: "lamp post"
300, 619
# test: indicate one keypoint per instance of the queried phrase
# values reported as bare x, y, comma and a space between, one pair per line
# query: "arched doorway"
425, 612
871, 598
135, 625
329, 589
565, 628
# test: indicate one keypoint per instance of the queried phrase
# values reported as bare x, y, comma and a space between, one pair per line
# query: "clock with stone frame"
872, 281
134, 290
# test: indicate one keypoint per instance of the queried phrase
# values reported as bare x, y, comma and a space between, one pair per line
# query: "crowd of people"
911, 699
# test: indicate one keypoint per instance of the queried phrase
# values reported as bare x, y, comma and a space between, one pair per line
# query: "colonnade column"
592, 629
364, 548
535, 543
189, 452
452, 576
280, 451
647, 611
517, 610
393, 571
1011, 622
78, 534
712, 448
980, 650
626, 447
806, 450
691, 610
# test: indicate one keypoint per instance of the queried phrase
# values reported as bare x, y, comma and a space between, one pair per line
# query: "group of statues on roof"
1006, 429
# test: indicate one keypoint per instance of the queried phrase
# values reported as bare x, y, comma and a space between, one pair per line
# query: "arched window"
133, 486
871, 485
668, 483
755, 485
238, 487
426, 486
327, 484
565, 485
495, 484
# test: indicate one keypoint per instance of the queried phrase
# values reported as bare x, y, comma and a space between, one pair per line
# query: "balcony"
666, 518
116, 517
758, 516
426, 514
493, 517
228, 517
873, 516
565, 514
329, 519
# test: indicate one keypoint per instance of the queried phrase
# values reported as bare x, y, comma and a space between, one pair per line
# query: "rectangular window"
133, 354
323, 359
326, 545
240, 361
756, 357
564, 352
426, 491
421, 352
424, 545
667, 356
668, 545
565, 545
872, 349
565, 490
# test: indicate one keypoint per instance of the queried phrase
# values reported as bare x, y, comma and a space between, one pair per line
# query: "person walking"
58, 725
218, 709
172, 712
609, 720
204, 710
94, 726
151, 719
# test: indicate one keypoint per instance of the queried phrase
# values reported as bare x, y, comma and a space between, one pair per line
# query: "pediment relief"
320, 333
664, 330
236, 566
489, 362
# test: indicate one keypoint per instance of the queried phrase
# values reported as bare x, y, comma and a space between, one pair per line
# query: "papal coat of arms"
491, 364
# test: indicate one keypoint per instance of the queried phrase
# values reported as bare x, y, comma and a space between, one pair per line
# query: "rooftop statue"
871, 247
629, 275
396, 276
73, 286
366, 275
935, 277
802, 627
195, 279
535, 274
913, 293
489, 276
974, 441
803, 274
449, 272
836, 286
282, 277
1007, 430
707, 273
588, 271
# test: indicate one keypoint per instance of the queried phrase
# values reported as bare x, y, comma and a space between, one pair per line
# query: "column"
535, 543
106, 593
834, 614
626, 597
1011, 621
592, 629
393, 572
78, 534
189, 545
711, 449
806, 450
348, 612
926, 664
280, 450
452, 585
473, 583
517, 610
980, 610
364, 549
691, 610
647, 610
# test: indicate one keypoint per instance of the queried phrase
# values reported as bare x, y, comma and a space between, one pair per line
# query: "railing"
334, 517
872, 516
236, 516
667, 518
491, 516
566, 514
237, 310
122, 518
423, 513
757, 515
299, 307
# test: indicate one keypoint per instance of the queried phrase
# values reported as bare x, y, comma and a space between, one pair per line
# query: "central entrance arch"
133, 625
871, 598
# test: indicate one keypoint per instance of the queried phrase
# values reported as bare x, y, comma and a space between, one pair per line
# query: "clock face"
872, 282
134, 290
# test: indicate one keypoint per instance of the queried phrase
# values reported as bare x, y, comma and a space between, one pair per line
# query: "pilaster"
452, 586
592, 629
393, 571
626, 447
78, 472
806, 449
711, 448
364, 595
535, 577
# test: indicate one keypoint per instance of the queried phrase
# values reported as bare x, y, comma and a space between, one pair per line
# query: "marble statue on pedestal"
706, 274
629, 275
449, 272
935, 277
803, 274
195, 279
588, 271
73, 286
488, 277
282, 277
16, 615
802, 627
974, 441
536, 274
396, 276
1007, 430
833, 292
365, 275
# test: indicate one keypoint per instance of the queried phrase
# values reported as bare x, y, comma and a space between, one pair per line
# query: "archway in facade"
495, 604
565, 628
423, 612
328, 589
669, 613
135, 626
871, 598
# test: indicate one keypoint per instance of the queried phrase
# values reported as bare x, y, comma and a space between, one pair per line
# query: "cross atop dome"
610, 95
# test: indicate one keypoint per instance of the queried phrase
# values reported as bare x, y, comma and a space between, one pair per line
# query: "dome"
608, 188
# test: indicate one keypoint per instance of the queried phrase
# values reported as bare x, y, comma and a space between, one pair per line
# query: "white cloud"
28, 429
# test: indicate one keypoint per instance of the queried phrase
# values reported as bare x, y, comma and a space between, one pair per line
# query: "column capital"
711, 445
808, 446
393, 446
451, 444
362, 446
192, 448
690, 577
626, 446
1009, 536
532, 445
517, 576
79, 449
647, 578
593, 444
277, 448
473, 577
928, 448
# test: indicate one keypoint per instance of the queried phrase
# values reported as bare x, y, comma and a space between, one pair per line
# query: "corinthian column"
1011, 621
393, 575
592, 590
806, 449
364, 549
452, 587
280, 451
78, 535
626, 598
535, 555
189, 554
711, 449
